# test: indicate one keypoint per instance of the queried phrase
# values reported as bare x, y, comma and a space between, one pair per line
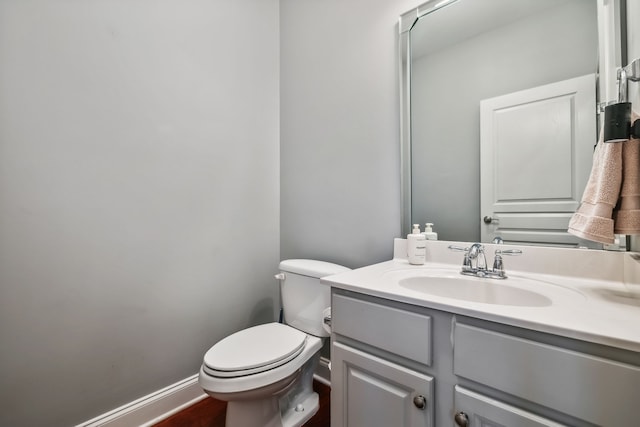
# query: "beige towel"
626, 215
593, 219
614, 183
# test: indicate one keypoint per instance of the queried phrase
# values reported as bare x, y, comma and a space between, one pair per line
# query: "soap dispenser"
416, 246
429, 233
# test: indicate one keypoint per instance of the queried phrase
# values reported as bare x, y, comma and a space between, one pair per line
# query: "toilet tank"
304, 298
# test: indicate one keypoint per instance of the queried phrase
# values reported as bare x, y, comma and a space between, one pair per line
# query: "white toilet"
265, 372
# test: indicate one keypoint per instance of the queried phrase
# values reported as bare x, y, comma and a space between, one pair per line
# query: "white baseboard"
157, 406
152, 408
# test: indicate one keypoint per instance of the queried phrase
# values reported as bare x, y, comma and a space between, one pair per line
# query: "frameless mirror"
499, 112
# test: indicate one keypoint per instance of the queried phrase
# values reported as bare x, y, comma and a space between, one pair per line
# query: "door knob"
488, 220
420, 401
461, 419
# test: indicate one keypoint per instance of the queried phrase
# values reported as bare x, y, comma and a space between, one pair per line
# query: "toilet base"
244, 413
305, 410
292, 405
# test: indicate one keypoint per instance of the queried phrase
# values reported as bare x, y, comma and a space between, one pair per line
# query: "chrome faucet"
476, 253
475, 261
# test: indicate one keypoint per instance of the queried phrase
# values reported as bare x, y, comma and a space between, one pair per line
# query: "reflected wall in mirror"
455, 56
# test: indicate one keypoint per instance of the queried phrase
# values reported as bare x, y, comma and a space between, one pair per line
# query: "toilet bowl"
265, 372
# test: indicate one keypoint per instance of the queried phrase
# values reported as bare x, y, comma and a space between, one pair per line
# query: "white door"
527, 140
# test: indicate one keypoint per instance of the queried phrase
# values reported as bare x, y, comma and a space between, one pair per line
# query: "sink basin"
486, 291
513, 291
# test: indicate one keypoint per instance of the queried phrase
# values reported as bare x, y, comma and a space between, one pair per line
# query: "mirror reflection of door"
473, 50
536, 148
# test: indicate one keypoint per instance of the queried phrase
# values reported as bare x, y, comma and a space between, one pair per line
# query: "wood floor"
211, 412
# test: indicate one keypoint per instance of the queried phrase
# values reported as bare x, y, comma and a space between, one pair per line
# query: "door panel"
375, 392
527, 139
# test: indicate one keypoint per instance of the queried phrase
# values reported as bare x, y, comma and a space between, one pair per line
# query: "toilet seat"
217, 386
254, 350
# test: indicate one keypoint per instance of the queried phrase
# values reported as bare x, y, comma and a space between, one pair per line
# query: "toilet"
265, 372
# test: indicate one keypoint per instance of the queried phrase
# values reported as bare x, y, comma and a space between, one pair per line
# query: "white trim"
152, 408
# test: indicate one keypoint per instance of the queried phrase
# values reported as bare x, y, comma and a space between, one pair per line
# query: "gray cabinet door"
482, 411
374, 392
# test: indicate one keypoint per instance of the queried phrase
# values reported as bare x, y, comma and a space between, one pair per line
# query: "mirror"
455, 55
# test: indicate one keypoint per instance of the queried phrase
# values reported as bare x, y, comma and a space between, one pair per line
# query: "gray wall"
448, 86
139, 195
340, 192
139, 180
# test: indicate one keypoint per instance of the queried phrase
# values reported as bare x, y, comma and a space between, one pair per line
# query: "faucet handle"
466, 262
498, 265
509, 252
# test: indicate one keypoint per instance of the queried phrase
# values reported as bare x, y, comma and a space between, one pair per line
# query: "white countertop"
600, 303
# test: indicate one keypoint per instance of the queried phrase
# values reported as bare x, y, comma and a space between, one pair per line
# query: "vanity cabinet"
396, 364
372, 383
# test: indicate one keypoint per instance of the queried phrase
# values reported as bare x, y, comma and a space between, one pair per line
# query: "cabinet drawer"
404, 333
482, 410
590, 388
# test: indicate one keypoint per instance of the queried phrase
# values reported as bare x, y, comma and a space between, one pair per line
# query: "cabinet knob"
420, 401
461, 419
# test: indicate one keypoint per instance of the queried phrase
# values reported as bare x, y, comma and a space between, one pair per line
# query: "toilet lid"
254, 350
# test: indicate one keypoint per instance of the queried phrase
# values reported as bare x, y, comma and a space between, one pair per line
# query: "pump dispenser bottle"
416, 246
429, 233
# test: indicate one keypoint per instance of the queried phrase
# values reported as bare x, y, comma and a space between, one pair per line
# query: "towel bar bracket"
625, 74
632, 70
